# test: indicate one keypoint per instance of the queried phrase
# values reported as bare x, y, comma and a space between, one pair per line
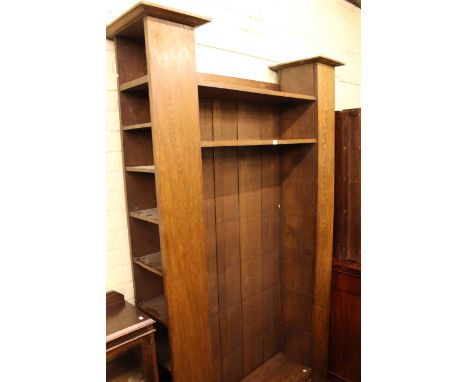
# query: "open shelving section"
229, 191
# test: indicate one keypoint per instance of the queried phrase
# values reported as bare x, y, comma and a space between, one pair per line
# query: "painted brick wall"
243, 39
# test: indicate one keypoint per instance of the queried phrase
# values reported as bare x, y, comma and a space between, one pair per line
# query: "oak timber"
257, 142
147, 169
240, 92
325, 91
215, 78
242, 224
155, 308
143, 8
150, 215
170, 52
137, 126
227, 90
151, 262
280, 369
138, 84
316, 59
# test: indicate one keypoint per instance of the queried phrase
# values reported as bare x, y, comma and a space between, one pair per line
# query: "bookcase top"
320, 59
144, 8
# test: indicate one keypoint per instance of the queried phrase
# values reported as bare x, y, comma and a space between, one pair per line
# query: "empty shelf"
138, 84
280, 369
151, 262
155, 308
137, 126
150, 215
148, 169
238, 92
257, 142
228, 91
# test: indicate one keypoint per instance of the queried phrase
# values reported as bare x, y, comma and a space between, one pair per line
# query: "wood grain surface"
347, 222
137, 13
173, 89
325, 91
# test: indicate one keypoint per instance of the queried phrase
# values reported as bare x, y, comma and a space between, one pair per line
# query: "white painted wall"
243, 39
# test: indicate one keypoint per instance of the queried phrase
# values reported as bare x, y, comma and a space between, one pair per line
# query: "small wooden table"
127, 331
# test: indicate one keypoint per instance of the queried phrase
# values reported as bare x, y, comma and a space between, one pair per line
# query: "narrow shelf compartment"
150, 215
238, 92
257, 142
137, 126
280, 368
138, 84
148, 169
163, 352
151, 262
156, 309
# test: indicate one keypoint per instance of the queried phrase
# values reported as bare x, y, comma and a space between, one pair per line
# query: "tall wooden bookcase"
229, 188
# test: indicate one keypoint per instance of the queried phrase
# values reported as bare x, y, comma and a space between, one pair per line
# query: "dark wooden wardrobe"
229, 187
345, 324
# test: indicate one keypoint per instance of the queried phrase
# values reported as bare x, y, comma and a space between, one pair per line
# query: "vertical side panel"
206, 132
325, 93
298, 250
271, 201
227, 241
344, 180
354, 185
347, 216
174, 108
250, 202
299, 120
298, 216
340, 189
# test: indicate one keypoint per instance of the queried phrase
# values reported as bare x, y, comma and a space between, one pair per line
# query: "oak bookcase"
229, 191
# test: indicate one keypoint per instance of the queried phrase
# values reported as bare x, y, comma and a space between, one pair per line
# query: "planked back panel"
244, 204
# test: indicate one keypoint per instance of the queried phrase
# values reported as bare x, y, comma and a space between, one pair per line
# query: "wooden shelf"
156, 309
137, 126
151, 262
150, 215
257, 142
280, 369
136, 85
238, 92
163, 352
147, 169
227, 91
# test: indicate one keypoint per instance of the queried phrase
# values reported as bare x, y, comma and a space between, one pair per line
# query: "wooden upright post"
316, 76
172, 86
